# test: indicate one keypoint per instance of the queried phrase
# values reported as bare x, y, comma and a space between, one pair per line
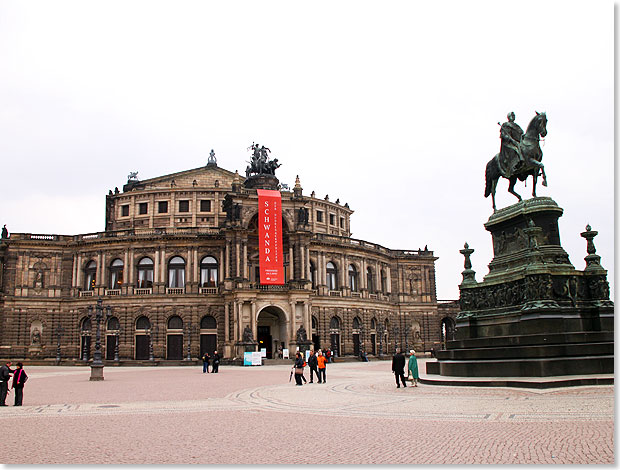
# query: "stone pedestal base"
96, 373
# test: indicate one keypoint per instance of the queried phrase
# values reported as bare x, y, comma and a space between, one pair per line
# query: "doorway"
175, 347
263, 334
271, 329
142, 347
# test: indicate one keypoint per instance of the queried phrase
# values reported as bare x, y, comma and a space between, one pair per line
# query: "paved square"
178, 415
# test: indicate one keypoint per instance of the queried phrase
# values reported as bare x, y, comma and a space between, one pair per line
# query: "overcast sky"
390, 106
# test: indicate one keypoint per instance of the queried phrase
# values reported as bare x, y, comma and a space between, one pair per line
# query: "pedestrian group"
19, 379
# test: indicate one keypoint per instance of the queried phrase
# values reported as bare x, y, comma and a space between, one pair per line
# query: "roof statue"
133, 176
212, 161
519, 156
260, 163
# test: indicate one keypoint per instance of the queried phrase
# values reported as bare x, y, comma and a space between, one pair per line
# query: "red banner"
270, 237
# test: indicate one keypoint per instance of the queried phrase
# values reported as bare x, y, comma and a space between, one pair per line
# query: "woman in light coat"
413, 368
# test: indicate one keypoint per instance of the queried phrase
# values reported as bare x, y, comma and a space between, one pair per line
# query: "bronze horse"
532, 156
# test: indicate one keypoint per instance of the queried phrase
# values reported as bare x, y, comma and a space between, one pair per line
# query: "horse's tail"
490, 174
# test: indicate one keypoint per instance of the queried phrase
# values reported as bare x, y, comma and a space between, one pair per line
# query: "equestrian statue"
519, 156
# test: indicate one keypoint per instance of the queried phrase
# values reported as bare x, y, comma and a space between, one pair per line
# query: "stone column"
226, 322
196, 267
100, 270
254, 322
163, 266
388, 281
302, 262
222, 265
291, 270
363, 283
293, 324
245, 260
80, 272
343, 263
226, 261
189, 268
237, 259
126, 270
131, 267
308, 270
156, 266
75, 271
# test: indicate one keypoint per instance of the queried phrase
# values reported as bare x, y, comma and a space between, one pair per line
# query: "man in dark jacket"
398, 367
5, 375
19, 379
313, 363
216, 362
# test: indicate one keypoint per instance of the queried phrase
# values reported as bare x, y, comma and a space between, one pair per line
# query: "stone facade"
178, 266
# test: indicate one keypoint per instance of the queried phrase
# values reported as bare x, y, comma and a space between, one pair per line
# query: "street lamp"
118, 332
190, 330
396, 333
153, 330
380, 331
96, 367
59, 331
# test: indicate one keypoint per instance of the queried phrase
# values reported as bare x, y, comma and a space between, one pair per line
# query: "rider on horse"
510, 156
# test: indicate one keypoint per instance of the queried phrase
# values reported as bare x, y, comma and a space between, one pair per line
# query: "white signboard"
263, 352
257, 359
307, 354
285, 354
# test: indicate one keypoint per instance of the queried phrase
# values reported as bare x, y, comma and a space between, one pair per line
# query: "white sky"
391, 106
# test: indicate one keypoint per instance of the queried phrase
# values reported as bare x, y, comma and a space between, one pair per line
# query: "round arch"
271, 330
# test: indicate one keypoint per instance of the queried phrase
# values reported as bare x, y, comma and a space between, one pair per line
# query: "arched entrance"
447, 330
271, 331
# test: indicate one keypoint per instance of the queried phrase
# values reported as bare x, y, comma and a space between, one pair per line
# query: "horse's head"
541, 123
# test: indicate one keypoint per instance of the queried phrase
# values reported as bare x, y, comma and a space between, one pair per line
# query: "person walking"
205, 362
313, 363
299, 368
413, 368
321, 363
19, 379
216, 362
398, 368
5, 375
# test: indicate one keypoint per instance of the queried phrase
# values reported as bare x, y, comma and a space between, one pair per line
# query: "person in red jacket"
321, 361
19, 379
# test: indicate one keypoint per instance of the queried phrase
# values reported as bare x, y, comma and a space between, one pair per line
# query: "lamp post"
395, 333
190, 330
406, 337
153, 330
380, 331
59, 331
118, 332
97, 314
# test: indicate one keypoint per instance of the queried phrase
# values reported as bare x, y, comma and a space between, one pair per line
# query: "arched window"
332, 276
116, 274
90, 274
356, 323
113, 324
369, 280
208, 272
313, 274
145, 273
176, 272
352, 278
208, 322
373, 324
175, 323
86, 325
315, 323
143, 323
334, 323
383, 282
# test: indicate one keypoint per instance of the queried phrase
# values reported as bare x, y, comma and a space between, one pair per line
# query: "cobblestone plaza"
178, 415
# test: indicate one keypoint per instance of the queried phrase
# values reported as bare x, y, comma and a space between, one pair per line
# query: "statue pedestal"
96, 373
534, 315
245, 346
262, 181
